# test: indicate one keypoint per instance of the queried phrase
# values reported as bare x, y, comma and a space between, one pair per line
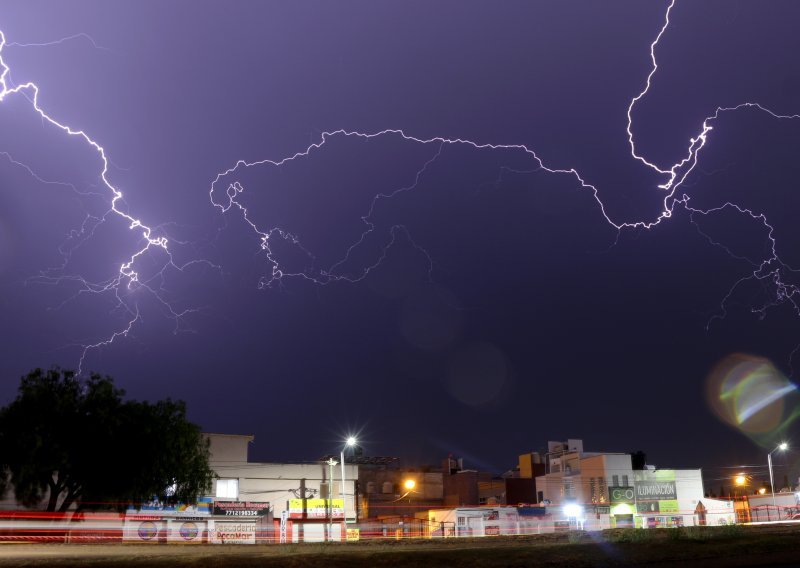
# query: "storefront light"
622, 509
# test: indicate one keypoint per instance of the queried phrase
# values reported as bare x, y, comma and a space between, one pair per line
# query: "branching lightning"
769, 270
126, 285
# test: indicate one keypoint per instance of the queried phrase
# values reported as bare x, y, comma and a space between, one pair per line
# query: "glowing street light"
351, 442
740, 480
409, 484
783, 446
573, 510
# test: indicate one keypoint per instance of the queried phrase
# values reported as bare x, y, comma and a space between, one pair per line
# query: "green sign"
656, 491
620, 494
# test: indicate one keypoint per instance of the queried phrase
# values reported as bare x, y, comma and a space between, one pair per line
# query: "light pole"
351, 441
782, 447
741, 481
331, 463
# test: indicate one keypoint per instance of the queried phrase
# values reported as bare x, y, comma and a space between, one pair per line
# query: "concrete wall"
275, 482
228, 448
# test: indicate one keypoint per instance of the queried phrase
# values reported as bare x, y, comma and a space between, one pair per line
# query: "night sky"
429, 294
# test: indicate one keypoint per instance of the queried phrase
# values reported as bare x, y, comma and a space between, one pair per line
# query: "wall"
275, 482
228, 448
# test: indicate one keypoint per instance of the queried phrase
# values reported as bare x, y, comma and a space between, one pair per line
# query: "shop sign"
241, 508
235, 533
316, 508
655, 491
620, 494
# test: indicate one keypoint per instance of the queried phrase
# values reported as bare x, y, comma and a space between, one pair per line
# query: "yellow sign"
353, 534
316, 508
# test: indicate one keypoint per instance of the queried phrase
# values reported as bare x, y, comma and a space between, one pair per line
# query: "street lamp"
742, 511
351, 441
409, 484
782, 447
331, 463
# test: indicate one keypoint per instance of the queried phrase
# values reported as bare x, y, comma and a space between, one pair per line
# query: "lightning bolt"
227, 188
80, 35
125, 285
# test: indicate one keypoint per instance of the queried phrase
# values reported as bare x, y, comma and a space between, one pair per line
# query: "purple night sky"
433, 295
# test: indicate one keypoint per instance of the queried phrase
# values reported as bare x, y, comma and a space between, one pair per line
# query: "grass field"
772, 545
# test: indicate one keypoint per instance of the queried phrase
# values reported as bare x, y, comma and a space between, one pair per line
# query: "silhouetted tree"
71, 441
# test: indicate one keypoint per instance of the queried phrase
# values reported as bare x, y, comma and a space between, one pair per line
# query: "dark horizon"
467, 253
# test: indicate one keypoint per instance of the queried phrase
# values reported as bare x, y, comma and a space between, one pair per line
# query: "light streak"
124, 285
225, 194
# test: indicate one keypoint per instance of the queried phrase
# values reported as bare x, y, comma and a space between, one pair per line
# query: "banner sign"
655, 491
155, 507
241, 508
316, 508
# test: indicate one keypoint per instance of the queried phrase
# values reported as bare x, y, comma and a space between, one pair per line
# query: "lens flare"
750, 394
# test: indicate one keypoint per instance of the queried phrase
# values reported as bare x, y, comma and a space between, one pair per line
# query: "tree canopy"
68, 441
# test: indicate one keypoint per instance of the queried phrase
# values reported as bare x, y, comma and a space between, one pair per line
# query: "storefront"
667, 497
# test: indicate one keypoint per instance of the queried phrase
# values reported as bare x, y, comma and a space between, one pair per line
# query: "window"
593, 490
615, 480
227, 488
625, 480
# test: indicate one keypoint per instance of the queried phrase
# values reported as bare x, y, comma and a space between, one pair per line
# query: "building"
598, 490
671, 497
600, 484
388, 491
488, 521
762, 508
254, 502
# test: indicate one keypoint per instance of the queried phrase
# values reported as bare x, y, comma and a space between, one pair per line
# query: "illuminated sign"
241, 508
620, 494
655, 491
316, 508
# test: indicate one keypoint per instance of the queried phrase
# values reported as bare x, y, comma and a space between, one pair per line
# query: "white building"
488, 521
599, 490
668, 497
252, 502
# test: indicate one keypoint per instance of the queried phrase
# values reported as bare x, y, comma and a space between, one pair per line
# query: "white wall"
274, 482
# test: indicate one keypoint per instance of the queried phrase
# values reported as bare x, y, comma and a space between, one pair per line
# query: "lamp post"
331, 463
741, 481
782, 447
351, 441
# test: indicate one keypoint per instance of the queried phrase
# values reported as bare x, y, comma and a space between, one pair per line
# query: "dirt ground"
770, 545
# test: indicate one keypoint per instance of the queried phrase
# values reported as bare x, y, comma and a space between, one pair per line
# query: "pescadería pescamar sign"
241, 508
